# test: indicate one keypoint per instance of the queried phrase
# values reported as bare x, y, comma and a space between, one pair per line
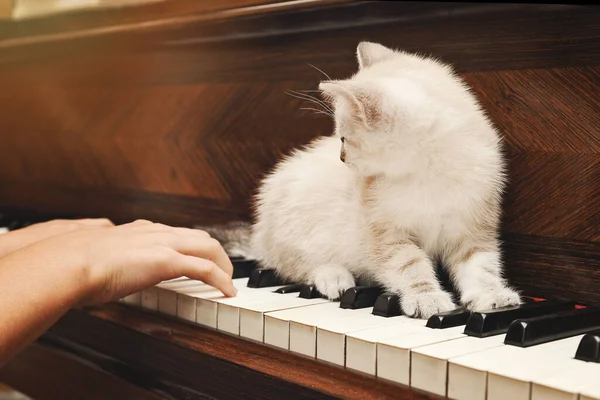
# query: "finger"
192, 244
207, 272
189, 231
158, 227
138, 222
96, 222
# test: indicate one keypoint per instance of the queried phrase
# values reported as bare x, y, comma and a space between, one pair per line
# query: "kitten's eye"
342, 139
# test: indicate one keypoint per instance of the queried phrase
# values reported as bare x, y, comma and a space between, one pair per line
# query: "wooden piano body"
172, 112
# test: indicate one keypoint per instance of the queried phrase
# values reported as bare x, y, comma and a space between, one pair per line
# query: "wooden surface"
176, 360
6, 7
45, 373
96, 21
178, 122
175, 114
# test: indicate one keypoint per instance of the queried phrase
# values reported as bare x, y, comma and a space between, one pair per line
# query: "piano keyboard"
542, 350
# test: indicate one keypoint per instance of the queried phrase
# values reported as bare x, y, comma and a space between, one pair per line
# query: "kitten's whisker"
310, 98
317, 111
321, 71
326, 109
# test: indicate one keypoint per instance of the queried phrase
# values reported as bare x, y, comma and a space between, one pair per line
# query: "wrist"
65, 261
9, 242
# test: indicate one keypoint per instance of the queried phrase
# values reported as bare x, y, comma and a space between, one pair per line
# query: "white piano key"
432, 360
394, 354
133, 299
506, 370
167, 294
514, 377
276, 331
589, 397
198, 305
591, 391
213, 308
252, 324
149, 296
565, 383
186, 300
361, 346
277, 323
3, 229
331, 335
295, 329
228, 309
149, 299
328, 345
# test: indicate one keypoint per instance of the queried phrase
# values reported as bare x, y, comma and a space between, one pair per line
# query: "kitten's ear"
369, 53
364, 104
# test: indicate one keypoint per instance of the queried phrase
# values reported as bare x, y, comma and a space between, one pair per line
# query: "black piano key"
360, 297
494, 322
449, 319
547, 328
589, 347
264, 277
242, 268
387, 305
290, 289
310, 292
528, 300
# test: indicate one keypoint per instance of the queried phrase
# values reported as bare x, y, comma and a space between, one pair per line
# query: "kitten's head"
393, 103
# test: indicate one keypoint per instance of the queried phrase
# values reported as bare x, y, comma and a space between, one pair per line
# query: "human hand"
24, 237
121, 260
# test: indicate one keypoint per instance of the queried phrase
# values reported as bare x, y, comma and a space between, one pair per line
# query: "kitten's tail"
234, 237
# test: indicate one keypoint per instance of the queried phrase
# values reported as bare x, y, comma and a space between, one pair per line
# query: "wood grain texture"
37, 370
179, 360
102, 17
166, 15
178, 122
553, 268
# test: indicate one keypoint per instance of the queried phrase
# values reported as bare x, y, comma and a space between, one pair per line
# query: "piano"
173, 111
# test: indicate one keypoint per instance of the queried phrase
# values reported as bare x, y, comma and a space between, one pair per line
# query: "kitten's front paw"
491, 298
424, 305
332, 281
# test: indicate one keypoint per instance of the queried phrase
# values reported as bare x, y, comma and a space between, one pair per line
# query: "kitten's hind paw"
491, 298
333, 280
424, 305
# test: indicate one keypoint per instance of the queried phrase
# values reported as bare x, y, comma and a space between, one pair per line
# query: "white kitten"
413, 174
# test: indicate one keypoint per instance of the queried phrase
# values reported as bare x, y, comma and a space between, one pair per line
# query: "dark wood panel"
130, 16
181, 360
208, 146
553, 268
37, 370
177, 122
473, 36
550, 122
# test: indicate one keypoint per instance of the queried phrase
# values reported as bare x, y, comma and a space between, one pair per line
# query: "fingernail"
233, 291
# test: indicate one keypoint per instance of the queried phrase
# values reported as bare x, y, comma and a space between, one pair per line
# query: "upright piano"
172, 111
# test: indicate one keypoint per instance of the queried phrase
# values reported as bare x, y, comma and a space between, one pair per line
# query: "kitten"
413, 174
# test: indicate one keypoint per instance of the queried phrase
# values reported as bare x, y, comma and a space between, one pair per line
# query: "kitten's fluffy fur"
413, 174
